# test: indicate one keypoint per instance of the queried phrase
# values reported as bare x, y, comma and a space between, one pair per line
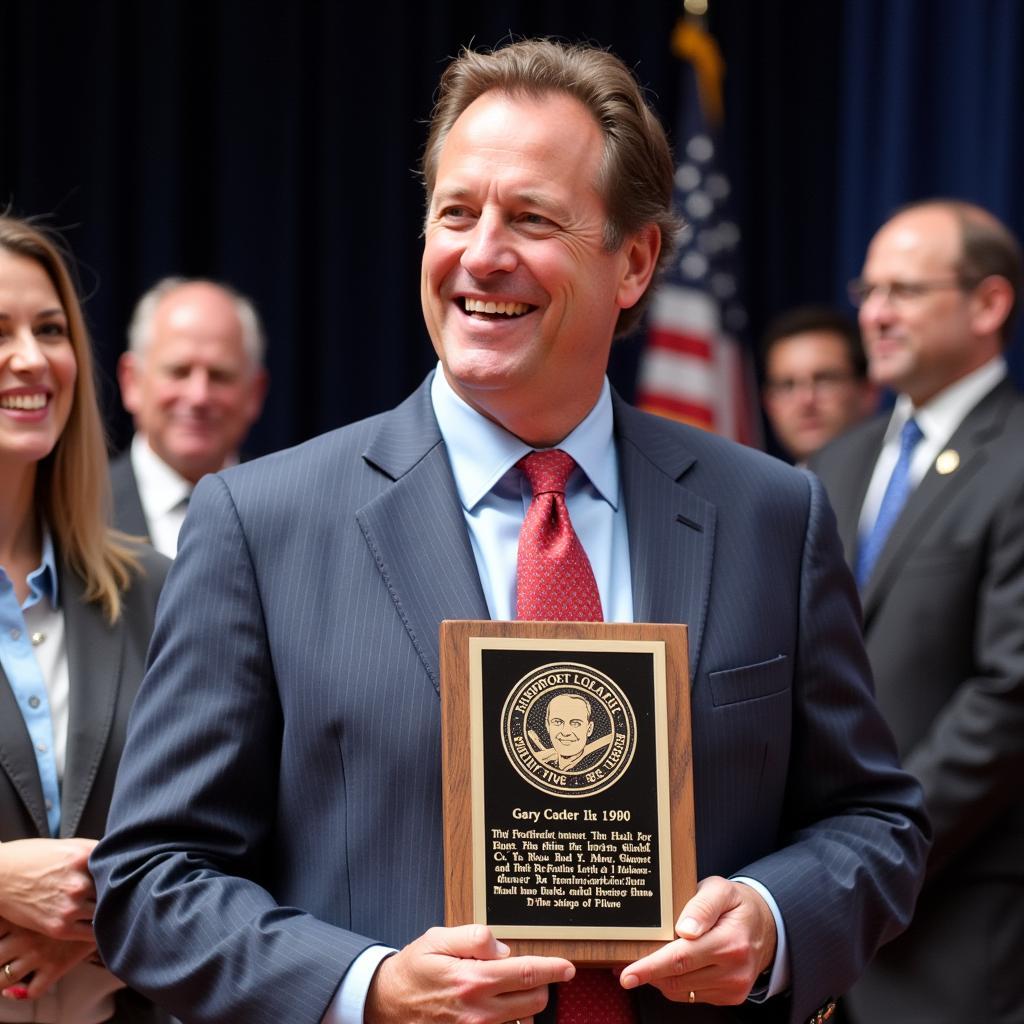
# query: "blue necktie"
893, 500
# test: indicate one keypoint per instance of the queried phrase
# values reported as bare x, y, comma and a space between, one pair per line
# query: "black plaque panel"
570, 844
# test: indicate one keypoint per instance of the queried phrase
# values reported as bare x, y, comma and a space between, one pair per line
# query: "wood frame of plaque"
568, 786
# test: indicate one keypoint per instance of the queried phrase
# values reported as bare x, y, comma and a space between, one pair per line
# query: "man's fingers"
673, 959
713, 898
476, 942
451, 974
536, 971
467, 941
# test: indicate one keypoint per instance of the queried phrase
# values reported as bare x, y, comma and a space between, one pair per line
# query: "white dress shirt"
164, 495
939, 418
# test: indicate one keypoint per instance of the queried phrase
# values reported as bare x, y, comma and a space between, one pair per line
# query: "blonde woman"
76, 611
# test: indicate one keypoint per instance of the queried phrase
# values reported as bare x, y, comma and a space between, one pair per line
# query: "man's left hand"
726, 939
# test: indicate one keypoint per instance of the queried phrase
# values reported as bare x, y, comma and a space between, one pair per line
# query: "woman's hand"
45, 886
30, 962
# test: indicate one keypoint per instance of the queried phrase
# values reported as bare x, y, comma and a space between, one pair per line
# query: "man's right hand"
449, 975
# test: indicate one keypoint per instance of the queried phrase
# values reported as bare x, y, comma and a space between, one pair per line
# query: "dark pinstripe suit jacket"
280, 803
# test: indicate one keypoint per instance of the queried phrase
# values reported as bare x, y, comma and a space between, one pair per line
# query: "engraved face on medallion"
568, 729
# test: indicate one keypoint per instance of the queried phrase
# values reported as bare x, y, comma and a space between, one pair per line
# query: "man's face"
194, 392
569, 725
812, 393
519, 293
918, 343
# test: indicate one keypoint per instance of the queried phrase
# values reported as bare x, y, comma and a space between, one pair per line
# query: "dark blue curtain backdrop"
273, 145
931, 102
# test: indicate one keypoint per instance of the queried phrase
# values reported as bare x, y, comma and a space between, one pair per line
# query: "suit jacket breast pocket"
750, 682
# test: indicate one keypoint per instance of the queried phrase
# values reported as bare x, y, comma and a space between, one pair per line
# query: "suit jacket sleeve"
188, 849
849, 863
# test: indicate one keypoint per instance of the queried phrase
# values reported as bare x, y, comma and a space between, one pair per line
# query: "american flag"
694, 368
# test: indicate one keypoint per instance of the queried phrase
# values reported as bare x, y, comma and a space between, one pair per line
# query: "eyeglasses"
899, 293
826, 382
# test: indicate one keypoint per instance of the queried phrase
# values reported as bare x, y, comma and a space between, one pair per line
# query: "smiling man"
930, 501
194, 382
296, 657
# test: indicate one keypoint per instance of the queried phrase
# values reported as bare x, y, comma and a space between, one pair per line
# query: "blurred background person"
930, 505
193, 380
815, 378
76, 612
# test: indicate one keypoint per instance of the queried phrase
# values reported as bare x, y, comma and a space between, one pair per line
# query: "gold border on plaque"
464, 764
656, 649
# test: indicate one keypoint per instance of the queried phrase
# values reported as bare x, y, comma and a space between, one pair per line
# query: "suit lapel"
128, 513
17, 758
427, 563
935, 492
95, 650
416, 530
671, 529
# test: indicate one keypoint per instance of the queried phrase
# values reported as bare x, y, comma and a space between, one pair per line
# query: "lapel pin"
947, 461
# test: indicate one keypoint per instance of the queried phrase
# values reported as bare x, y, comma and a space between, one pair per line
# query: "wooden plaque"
568, 791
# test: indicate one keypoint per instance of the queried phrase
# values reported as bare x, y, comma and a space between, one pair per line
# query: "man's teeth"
25, 402
505, 308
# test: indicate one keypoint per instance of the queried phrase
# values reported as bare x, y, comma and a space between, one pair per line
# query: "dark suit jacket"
105, 665
944, 626
128, 513
280, 804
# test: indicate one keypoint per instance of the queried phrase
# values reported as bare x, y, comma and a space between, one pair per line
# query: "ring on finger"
693, 996
8, 971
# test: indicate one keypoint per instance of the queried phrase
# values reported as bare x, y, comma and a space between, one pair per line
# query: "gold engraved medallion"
568, 729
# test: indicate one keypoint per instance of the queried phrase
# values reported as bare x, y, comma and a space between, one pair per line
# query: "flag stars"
687, 177
700, 148
693, 265
698, 205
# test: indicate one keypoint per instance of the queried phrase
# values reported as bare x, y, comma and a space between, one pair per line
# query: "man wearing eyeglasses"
930, 503
815, 378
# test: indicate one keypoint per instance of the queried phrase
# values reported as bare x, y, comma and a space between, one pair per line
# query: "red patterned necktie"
554, 581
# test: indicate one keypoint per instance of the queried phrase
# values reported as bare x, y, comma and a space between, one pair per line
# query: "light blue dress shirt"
494, 497
24, 674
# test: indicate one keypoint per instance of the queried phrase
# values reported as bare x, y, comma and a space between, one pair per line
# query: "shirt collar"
940, 416
481, 452
161, 488
43, 582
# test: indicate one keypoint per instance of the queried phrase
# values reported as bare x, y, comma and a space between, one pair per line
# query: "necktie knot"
554, 578
547, 471
910, 436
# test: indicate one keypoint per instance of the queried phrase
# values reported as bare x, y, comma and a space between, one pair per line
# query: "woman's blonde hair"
73, 483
